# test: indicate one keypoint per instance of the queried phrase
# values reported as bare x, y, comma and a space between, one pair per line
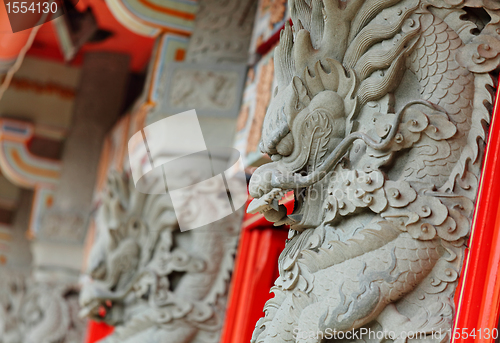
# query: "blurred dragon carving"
377, 125
38, 312
155, 283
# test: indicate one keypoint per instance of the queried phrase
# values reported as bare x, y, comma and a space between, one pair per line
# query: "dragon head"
309, 116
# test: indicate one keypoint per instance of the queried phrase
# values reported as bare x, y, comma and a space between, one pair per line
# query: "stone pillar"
97, 106
19, 255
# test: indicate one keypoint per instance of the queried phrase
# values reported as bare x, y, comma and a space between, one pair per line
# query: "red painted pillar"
478, 292
255, 271
478, 301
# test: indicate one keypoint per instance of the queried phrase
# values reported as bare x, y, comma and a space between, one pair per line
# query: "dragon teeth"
266, 203
274, 204
258, 205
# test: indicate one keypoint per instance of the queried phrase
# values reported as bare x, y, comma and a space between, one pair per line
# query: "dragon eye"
136, 224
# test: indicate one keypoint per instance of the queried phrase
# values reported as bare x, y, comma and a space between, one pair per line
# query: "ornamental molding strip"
18, 164
152, 18
377, 125
24, 169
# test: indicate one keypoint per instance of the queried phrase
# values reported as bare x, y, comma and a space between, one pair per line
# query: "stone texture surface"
37, 309
44, 306
214, 90
377, 124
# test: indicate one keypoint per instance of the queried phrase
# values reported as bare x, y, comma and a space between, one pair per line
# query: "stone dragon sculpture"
38, 312
377, 125
151, 281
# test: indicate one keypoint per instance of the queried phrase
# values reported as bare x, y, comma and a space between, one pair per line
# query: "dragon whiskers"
296, 180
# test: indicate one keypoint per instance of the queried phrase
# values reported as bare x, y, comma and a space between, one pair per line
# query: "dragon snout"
260, 183
270, 142
285, 146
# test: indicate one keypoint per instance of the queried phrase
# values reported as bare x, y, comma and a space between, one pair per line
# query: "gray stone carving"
214, 90
38, 304
35, 312
219, 93
156, 283
223, 29
377, 125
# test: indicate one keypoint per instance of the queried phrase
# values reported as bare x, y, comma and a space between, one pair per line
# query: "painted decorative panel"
256, 98
270, 18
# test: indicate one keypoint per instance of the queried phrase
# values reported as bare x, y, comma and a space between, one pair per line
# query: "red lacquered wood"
97, 331
255, 271
478, 300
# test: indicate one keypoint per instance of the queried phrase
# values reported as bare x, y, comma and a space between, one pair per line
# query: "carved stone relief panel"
184, 93
223, 29
214, 90
156, 283
33, 310
64, 226
377, 125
